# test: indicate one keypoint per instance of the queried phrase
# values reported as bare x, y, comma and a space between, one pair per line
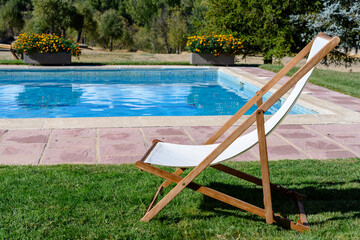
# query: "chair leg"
165, 184
165, 200
264, 167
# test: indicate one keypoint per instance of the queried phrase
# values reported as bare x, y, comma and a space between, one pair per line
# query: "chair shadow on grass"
322, 197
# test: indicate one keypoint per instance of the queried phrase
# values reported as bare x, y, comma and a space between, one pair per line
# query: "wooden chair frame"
264, 181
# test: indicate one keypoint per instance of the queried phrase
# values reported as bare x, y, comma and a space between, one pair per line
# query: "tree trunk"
63, 32
167, 44
78, 37
111, 43
152, 41
268, 60
12, 32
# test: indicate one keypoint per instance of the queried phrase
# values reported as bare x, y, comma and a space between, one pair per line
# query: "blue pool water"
123, 92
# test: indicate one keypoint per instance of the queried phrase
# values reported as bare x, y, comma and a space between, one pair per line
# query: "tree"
11, 17
103, 5
263, 25
89, 24
160, 26
142, 11
55, 16
76, 21
111, 26
196, 21
340, 19
177, 30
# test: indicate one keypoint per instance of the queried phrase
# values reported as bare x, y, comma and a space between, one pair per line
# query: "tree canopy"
111, 26
11, 17
271, 28
335, 18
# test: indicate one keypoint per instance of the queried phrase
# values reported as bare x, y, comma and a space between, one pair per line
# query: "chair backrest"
246, 141
318, 44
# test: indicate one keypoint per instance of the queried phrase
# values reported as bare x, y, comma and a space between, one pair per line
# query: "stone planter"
205, 58
60, 58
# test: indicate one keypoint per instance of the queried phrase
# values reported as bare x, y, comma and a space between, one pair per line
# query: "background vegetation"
271, 28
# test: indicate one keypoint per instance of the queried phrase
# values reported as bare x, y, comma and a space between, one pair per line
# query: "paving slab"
21, 153
69, 156
26, 136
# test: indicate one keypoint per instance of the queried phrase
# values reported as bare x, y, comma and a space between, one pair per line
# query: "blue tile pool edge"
238, 81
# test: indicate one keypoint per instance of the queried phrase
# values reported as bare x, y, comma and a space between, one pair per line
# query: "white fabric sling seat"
199, 157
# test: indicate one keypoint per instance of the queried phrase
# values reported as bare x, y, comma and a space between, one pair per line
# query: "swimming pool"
50, 93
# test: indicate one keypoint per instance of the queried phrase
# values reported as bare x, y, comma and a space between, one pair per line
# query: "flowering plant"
214, 44
29, 43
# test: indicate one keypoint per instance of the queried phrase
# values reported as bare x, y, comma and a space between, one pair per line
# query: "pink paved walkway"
127, 145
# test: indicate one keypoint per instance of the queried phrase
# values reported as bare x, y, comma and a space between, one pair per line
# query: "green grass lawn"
12, 62
107, 202
343, 82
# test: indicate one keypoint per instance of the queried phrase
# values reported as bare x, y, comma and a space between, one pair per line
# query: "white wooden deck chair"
200, 157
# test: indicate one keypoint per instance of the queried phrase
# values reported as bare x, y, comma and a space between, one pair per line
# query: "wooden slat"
177, 172
165, 184
14, 55
259, 102
323, 35
290, 224
158, 192
5, 46
302, 213
265, 176
149, 150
